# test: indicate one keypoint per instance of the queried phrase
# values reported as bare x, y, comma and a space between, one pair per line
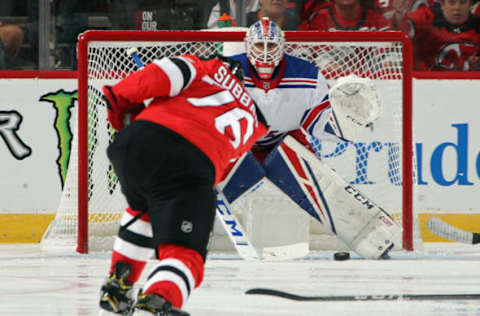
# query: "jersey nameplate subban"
230, 82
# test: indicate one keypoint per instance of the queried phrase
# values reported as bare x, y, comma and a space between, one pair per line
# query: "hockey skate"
116, 293
155, 305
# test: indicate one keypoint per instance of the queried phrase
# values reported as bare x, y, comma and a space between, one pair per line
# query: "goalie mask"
265, 42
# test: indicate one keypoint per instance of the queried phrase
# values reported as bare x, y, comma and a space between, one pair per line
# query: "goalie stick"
358, 297
230, 223
447, 231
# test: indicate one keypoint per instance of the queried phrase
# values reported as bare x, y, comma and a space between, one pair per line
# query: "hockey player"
294, 97
168, 161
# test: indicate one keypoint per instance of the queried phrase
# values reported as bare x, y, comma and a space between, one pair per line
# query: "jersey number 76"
229, 122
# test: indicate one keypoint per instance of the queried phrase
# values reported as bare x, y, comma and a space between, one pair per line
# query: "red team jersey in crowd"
476, 9
326, 19
438, 44
200, 100
385, 7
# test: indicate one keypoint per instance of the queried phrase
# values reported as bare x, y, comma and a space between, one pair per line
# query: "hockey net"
380, 165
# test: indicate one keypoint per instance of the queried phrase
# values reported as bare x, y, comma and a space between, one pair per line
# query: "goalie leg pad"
245, 176
362, 225
376, 238
284, 168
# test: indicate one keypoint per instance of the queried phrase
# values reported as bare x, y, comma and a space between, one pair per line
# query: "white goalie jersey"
296, 97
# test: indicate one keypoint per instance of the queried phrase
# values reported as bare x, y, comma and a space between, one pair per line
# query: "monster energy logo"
63, 102
10, 122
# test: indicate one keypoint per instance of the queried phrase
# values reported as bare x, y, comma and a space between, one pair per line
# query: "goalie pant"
363, 226
168, 161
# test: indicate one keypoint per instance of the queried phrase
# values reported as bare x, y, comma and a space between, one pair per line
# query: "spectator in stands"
388, 8
308, 7
446, 36
11, 40
347, 15
283, 12
18, 34
11, 36
149, 15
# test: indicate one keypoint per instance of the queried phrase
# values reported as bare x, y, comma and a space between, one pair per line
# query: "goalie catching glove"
120, 112
355, 105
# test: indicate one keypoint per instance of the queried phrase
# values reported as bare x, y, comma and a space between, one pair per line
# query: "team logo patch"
187, 227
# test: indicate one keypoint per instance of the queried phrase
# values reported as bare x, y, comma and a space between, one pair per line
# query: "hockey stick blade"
450, 232
379, 297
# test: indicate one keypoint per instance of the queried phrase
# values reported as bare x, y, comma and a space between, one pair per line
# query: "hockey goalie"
300, 107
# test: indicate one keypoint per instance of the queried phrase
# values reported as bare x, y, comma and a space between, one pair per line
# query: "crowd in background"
42, 34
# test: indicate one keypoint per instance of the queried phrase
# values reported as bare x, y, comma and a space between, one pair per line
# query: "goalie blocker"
362, 225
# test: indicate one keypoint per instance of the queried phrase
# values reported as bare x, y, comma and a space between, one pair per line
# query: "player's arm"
161, 78
415, 23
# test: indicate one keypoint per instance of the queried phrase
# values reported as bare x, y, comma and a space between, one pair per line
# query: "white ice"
33, 282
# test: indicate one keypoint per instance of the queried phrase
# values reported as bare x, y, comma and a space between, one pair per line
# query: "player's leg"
181, 206
130, 253
182, 227
133, 246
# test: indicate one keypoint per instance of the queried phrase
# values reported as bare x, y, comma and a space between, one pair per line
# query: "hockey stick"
133, 53
375, 297
447, 231
230, 223
234, 229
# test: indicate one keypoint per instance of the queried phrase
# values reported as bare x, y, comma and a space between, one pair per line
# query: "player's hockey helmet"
234, 66
265, 43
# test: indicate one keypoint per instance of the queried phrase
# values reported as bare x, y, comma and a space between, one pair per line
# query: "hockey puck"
341, 256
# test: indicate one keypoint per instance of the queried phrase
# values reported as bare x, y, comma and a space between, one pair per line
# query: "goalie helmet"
265, 42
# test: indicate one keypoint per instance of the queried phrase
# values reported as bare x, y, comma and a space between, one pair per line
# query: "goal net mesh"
373, 164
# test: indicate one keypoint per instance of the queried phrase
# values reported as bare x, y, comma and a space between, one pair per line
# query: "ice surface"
39, 283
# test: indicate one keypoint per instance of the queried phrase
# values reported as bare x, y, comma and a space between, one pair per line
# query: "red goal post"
395, 68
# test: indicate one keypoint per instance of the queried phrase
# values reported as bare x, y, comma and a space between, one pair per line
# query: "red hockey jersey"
326, 19
200, 100
386, 7
440, 45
